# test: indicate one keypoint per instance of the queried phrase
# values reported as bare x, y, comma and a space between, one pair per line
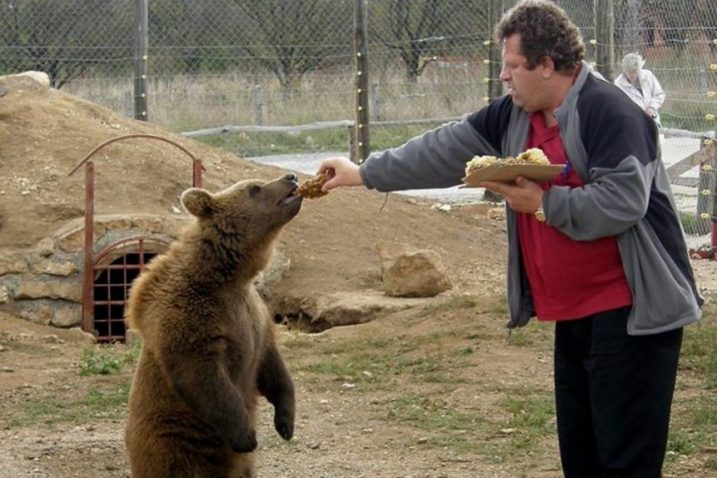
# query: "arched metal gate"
114, 270
109, 326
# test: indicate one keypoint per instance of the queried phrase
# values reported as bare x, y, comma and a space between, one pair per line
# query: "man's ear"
548, 66
197, 202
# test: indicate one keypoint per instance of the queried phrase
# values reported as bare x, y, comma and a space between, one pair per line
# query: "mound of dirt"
45, 133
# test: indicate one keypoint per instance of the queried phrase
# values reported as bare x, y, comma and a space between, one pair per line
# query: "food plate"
506, 173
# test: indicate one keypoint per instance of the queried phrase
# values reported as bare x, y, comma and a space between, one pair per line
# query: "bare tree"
291, 38
419, 31
53, 36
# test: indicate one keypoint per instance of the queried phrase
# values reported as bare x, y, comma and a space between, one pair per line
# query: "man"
608, 262
641, 85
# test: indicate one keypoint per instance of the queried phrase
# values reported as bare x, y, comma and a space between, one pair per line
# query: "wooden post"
375, 101
361, 93
604, 34
713, 173
495, 64
352, 144
495, 86
140, 61
706, 192
257, 105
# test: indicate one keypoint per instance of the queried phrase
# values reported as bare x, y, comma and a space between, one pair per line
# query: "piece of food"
479, 162
533, 156
530, 156
311, 188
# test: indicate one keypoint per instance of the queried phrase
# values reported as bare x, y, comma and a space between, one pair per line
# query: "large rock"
318, 313
413, 273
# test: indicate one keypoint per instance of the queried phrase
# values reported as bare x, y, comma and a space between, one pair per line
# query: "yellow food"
311, 188
479, 162
529, 156
533, 156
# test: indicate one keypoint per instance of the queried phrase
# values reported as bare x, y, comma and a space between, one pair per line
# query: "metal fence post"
361, 82
604, 35
375, 101
705, 192
713, 174
495, 88
257, 105
140, 61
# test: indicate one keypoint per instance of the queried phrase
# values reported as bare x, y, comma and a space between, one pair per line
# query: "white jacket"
652, 94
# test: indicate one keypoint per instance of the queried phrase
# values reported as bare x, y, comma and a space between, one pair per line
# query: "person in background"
598, 251
641, 85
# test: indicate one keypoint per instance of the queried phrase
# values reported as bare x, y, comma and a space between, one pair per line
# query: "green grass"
107, 359
694, 417
532, 415
379, 364
699, 348
444, 426
331, 139
99, 402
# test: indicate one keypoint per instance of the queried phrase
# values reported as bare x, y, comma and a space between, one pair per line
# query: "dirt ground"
421, 392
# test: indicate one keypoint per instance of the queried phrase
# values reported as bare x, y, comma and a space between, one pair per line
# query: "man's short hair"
545, 30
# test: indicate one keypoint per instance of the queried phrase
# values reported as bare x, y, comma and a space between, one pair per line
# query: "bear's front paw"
245, 443
284, 426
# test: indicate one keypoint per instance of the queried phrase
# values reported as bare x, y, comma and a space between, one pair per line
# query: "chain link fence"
291, 62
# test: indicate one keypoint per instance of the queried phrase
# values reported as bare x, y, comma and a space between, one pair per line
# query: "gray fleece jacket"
613, 146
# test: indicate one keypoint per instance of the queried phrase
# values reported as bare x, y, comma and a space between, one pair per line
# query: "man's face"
632, 75
525, 86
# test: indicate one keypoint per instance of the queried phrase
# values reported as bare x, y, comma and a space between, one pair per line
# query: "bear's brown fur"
208, 345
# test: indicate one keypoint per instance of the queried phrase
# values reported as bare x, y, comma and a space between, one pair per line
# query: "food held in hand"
311, 188
479, 162
534, 156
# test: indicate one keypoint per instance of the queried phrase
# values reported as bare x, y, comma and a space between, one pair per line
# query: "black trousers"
613, 395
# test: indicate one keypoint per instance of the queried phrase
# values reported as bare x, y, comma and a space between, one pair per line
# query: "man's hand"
341, 172
651, 111
523, 196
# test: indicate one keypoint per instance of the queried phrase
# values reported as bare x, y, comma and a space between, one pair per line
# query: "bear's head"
249, 214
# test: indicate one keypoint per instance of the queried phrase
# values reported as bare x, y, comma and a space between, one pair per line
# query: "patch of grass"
378, 364
99, 402
22, 347
531, 416
454, 303
699, 348
694, 425
430, 414
461, 431
331, 139
532, 334
108, 359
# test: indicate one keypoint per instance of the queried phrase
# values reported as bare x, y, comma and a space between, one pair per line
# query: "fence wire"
290, 61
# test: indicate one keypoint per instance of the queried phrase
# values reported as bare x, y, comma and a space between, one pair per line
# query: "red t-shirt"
569, 279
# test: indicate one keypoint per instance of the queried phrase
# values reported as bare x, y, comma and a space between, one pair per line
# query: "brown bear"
208, 346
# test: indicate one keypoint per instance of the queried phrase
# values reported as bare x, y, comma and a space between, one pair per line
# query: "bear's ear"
198, 202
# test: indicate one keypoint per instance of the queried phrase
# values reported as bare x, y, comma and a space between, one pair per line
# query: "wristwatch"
539, 214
